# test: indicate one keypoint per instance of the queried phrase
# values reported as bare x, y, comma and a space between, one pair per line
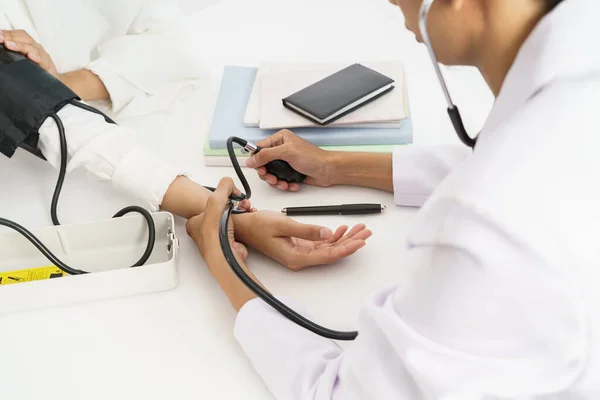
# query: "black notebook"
339, 94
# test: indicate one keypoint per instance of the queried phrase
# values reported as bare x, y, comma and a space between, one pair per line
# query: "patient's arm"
111, 153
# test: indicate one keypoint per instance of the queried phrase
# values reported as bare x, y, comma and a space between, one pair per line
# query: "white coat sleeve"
419, 169
110, 153
148, 68
472, 322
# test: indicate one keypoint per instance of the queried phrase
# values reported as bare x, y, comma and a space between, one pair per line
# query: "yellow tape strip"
28, 275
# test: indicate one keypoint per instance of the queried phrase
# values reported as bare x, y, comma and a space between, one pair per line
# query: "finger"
18, 36
218, 200
339, 233
30, 51
246, 205
274, 140
362, 235
224, 189
282, 185
272, 180
261, 171
355, 230
290, 228
267, 155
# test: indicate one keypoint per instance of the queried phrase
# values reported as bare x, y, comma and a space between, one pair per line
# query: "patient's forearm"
185, 198
86, 85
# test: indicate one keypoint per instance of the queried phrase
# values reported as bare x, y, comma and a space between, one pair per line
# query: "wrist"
66, 80
243, 227
85, 84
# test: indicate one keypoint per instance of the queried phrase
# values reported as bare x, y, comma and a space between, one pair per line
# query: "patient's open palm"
297, 246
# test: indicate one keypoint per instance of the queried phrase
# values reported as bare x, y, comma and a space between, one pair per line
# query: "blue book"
228, 119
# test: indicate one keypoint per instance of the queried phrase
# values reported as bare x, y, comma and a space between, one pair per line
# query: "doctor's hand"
302, 155
295, 245
21, 42
204, 228
321, 167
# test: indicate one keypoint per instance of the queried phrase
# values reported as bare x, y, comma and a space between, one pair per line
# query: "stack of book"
250, 106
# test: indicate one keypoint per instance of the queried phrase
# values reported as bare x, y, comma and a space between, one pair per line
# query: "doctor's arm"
412, 172
469, 322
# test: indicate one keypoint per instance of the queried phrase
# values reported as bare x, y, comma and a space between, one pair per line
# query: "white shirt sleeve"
419, 169
147, 68
479, 318
110, 153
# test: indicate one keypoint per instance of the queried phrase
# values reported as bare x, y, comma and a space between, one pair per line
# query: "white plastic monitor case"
104, 248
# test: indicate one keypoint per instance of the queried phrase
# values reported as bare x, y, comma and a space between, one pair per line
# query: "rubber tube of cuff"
61, 178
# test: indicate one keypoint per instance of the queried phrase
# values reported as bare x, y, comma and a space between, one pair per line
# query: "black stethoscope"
284, 171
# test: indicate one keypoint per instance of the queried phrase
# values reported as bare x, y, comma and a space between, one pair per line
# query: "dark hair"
550, 4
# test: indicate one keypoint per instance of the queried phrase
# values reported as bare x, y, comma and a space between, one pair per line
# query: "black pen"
342, 209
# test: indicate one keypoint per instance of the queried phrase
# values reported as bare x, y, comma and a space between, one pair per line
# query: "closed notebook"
276, 80
339, 94
384, 112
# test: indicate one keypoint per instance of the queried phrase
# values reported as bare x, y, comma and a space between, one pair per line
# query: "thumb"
218, 200
265, 156
303, 231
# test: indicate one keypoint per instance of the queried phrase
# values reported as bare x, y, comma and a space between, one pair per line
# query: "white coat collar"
563, 45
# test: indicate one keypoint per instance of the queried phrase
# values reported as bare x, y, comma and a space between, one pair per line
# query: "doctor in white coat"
503, 300
130, 54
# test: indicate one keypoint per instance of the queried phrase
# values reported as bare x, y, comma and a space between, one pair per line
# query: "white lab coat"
504, 254
136, 47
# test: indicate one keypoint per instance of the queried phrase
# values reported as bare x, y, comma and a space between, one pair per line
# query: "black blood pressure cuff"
28, 96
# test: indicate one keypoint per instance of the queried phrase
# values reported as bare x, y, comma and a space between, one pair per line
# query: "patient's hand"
83, 82
21, 42
295, 245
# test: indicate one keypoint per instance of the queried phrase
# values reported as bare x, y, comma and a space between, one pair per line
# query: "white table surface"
179, 344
